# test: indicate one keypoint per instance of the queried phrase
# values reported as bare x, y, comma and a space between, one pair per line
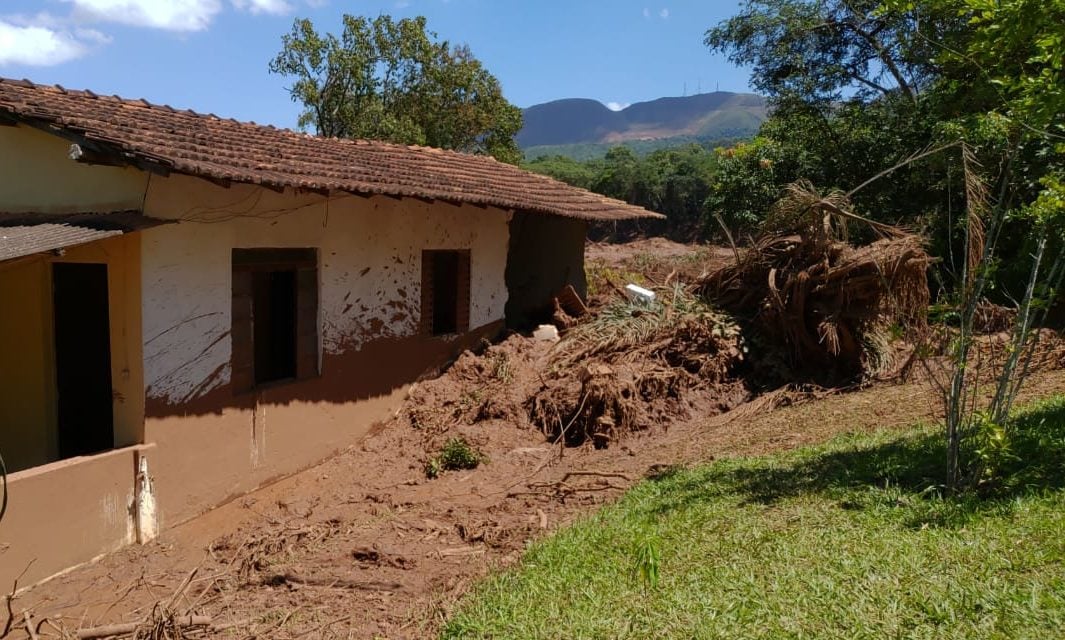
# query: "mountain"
566, 126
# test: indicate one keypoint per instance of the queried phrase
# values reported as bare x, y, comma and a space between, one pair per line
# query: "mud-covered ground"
365, 545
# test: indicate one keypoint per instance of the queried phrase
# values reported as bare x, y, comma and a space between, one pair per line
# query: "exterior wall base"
229, 444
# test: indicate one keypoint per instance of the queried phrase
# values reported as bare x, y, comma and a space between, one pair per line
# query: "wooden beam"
225, 183
82, 155
86, 152
322, 191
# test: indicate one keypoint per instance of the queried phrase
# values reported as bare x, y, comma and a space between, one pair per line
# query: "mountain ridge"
574, 121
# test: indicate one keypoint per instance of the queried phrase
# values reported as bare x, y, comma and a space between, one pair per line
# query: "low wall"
63, 514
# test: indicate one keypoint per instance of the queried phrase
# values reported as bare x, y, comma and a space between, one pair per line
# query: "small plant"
993, 450
648, 559
602, 278
456, 454
500, 366
470, 400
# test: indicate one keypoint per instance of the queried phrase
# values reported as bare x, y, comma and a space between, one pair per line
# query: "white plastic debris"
546, 333
639, 294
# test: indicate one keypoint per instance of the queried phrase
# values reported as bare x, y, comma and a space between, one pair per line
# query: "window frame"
245, 263
463, 285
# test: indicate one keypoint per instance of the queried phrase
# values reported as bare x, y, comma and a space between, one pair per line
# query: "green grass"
851, 539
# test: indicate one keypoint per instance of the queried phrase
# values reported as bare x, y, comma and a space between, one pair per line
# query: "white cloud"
646, 12
617, 106
664, 14
171, 15
37, 46
93, 36
273, 7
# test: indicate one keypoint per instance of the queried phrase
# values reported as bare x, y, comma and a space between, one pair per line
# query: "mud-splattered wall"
214, 443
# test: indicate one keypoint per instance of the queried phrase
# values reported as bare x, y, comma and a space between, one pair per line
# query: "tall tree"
393, 80
822, 51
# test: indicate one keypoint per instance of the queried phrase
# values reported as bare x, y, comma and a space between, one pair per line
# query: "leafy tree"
566, 169
392, 80
748, 181
823, 51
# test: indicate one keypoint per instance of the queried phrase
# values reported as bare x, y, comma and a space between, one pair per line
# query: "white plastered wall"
369, 271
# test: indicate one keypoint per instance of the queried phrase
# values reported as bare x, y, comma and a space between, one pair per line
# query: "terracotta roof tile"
208, 146
26, 234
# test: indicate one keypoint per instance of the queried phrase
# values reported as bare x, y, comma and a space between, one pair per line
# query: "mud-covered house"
192, 306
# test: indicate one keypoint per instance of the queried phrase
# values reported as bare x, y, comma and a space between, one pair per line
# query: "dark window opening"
445, 292
275, 316
274, 325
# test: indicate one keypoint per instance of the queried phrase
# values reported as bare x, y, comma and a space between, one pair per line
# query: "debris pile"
830, 307
802, 306
636, 364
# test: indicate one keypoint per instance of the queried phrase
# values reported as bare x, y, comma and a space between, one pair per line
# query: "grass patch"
455, 455
852, 539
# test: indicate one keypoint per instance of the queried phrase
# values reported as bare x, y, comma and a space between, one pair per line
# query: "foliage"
456, 454
392, 80
674, 181
742, 550
1017, 54
822, 52
585, 151
560, 167
648, 561
747, 183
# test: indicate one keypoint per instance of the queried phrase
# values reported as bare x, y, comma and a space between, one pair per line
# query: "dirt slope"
365, 546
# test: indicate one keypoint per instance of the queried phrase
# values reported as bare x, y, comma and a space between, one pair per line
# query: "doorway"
83, 359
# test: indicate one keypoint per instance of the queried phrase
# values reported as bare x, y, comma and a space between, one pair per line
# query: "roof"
23, 234
163, 139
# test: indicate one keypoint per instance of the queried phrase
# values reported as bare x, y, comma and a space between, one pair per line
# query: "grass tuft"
456, 454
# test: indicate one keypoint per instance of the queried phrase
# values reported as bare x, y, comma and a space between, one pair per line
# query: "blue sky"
212, 55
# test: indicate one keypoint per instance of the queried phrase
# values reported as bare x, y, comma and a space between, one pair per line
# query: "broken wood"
126, 628
289, 578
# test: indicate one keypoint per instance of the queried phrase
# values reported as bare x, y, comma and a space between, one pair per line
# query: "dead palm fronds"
832, 304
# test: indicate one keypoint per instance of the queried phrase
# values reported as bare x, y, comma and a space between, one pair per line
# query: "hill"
582, 128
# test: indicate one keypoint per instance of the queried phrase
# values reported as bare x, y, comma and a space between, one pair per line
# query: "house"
191, 307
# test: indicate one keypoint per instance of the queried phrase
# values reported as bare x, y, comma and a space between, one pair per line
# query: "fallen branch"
126, 628
329, 583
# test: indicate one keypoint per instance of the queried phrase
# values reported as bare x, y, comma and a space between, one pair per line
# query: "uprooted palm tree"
832, 305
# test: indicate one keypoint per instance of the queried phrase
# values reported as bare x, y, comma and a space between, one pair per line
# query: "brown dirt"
364, 545
366, 540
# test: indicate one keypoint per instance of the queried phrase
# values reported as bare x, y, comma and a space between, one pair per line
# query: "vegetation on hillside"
857, 88
674, 181
584, 151
737, 549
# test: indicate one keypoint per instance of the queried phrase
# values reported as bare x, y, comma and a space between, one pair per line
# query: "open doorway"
83, 359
